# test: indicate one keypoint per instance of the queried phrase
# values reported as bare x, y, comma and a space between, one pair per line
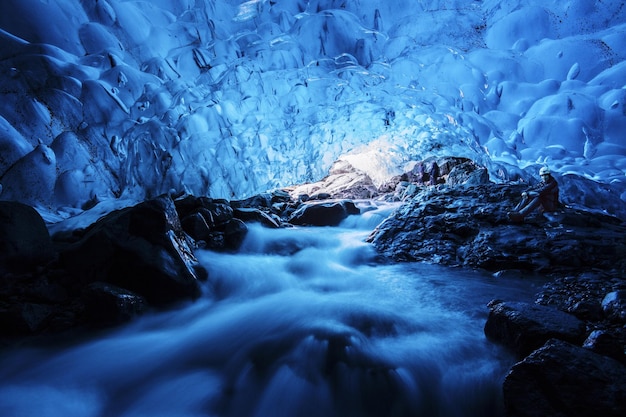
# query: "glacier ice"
130, 99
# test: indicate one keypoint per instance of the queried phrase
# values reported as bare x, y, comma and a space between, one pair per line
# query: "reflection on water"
302, 322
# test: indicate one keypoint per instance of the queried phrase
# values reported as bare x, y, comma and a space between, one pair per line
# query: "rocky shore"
570, 342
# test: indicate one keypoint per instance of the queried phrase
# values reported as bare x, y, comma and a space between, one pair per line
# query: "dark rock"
24, 318
235, 232
580, 294
468, 174
587, 310
108, 305
196, 226
604, 343
524, 327
280, 196
321, 196
614, 306
256, 201
563, 380
255, 215
469, 226
323, 214
215, 211
142, 249
215, 241
221, 211
24, 238
210, 218
186, 204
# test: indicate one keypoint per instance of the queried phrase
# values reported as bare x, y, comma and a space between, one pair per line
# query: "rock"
25, 241
212, 223
216, 212
255, 215
221, 211
468, 226
563, 380
524, 327
468, 174
344, 181
235, 232
323, 214
614, 306
24, 318
604, 343
587, 310
263, 200
108, 305
142, 249
196, 226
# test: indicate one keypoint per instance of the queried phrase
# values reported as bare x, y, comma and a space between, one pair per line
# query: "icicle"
378, 21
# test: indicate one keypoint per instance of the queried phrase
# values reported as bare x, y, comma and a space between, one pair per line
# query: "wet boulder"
614, 306
327, 213
524, 327
142, 249
211, 222
24, 238
254, 215
562, 380
607, 343
196, 226
235, 232
108, 305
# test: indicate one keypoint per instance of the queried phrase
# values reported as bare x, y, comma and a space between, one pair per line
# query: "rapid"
301, 322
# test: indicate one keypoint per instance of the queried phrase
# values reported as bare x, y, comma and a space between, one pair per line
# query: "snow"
125, 99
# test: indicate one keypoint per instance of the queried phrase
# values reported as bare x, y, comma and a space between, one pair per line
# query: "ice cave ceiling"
113, 98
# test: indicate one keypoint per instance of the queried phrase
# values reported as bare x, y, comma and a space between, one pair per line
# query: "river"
302, 322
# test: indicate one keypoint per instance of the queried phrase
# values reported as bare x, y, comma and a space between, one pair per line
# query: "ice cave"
106, 104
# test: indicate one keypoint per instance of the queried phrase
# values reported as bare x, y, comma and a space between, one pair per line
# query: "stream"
301, 322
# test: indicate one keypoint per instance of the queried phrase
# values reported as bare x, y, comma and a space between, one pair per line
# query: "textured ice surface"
228, 98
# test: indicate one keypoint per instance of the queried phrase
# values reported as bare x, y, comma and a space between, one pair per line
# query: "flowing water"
303, 322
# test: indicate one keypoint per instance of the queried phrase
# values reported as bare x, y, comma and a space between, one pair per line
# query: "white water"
303, 323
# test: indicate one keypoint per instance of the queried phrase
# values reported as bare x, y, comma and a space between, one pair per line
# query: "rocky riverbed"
142, 257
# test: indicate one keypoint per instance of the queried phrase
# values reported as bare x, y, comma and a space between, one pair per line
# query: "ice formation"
131, 99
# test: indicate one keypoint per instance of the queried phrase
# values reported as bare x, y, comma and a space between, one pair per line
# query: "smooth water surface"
303, 322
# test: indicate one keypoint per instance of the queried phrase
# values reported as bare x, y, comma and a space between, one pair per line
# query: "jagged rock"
255, 215
221, 211
329, 213
563, 380
216, 212
212, 223
524, 327
24, 239
263, 200
108, 305
344, 181
467, 174
468, 226
142, 249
